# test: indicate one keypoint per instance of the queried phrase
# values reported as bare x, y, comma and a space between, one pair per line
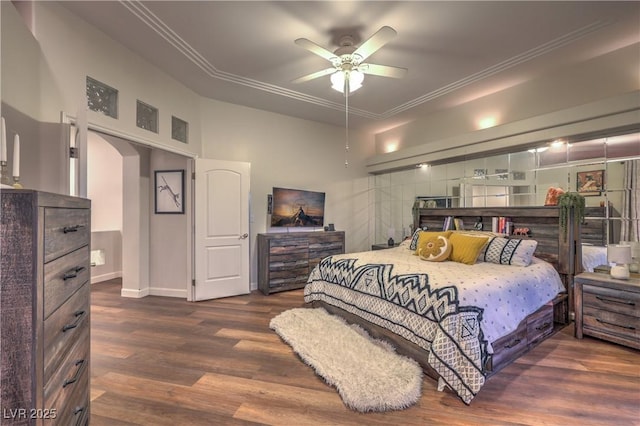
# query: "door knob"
243, 236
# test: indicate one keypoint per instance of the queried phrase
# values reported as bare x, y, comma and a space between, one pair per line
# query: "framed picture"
590, 183
169, 186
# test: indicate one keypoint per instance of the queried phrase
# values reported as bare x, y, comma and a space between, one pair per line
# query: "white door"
221, 217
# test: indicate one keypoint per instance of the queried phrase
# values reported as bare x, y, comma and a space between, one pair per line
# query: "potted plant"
567, 201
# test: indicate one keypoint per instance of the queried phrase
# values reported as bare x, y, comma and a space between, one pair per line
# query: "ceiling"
243, 52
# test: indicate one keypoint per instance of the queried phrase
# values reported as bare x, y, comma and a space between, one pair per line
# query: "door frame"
140, 263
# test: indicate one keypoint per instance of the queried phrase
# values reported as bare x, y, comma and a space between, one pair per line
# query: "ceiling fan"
348, 66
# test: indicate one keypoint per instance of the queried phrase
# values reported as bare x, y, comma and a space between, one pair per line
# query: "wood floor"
165, 361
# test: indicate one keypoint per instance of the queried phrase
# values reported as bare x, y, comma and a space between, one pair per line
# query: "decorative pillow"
483, 250
414, 240
477, 233
435, 249
466, 247
552, 196
510, 251
425, 235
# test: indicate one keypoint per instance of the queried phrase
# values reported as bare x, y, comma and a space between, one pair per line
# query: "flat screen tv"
297, 208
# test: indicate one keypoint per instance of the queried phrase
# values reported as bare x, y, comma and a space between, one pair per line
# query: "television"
297, 208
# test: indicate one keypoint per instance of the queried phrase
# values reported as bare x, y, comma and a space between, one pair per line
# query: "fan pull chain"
346, 120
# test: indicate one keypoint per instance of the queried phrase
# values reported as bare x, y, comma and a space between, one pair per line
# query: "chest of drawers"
608, 309
286, 259
45, 308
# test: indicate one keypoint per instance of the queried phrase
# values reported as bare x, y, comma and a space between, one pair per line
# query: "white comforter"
452, 310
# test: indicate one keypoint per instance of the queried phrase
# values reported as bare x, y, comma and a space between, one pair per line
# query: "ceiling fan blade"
382, 70
314, 75
375, 42
314, 48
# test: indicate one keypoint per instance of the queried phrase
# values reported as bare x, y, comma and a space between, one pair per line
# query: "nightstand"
607, 308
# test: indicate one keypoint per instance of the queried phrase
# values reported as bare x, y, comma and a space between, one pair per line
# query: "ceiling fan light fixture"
342, 79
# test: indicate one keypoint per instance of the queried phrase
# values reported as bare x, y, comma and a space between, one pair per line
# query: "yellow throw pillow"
435, 249
466, 248
426, 235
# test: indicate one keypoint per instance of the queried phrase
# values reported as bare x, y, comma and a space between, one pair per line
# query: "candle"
16, 156
3, 142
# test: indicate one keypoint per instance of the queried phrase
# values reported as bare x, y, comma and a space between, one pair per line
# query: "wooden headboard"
563, 250
597, 229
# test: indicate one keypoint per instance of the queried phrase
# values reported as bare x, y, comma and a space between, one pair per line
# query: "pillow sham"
413, 245
475, 232
435, 249
510, 251
466, 248
425, 235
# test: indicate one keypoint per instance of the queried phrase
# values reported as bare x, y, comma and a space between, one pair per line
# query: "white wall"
292, 153
105, 190
283, 151
169, 239
21, 64
73, 50
104, 187
557, 91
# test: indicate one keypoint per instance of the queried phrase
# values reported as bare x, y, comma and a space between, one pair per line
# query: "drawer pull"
73, 228
75, 377
78, 315
78, 410
72, 273
628, 327
512, 343
543, 326
622, 302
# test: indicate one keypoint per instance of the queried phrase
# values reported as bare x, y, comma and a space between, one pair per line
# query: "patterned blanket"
406, 304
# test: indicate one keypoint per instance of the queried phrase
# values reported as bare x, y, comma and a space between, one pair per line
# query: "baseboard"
168, 292
105, 277
136, 294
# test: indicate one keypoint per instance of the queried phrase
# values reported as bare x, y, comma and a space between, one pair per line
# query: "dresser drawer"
613, 300
63, 327
67, 391
65, 230
540, 324
509, 347
63, 276
614, 323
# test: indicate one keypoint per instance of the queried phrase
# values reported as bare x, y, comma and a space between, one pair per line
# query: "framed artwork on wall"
590, 183
169, 191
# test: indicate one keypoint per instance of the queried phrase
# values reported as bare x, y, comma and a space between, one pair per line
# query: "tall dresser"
44, 303
286, 259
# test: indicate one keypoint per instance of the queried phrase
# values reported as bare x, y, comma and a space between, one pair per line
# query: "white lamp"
620, 256
338, 82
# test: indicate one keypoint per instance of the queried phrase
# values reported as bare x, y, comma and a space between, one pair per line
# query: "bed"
462, 322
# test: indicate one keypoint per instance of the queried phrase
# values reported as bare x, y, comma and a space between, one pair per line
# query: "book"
501, 225
448, 223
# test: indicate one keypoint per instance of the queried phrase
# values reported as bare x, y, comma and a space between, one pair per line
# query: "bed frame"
562, 249
597, 229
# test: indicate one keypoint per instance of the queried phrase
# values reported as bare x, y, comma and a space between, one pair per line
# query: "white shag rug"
367, 373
